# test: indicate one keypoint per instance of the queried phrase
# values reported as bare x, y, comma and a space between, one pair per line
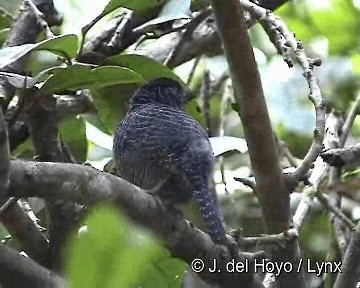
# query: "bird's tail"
210, 212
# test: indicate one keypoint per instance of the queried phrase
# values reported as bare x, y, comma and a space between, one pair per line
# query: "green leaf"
21, 81
111, 253
166, 271
148, 68
309, 22
76, 142
136, 5
235, 107
25, 150
341, 16
350, 174
3, 35
5, 18
64, 45
355, 59
172, 10
194, 110
112, 103
83, 77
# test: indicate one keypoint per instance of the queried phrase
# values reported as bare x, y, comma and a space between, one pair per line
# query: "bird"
164, 150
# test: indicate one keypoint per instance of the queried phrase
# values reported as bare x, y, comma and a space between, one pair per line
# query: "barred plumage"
158, 146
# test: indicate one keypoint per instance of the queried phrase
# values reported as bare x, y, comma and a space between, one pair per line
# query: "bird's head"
163, 91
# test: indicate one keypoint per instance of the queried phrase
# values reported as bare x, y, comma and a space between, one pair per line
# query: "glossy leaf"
64, 45
172, 10
112, 103
148, 68
77, 77
73, 134
111, 253
136, 5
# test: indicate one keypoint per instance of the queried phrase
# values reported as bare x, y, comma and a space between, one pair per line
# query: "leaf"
355, 59
64, 45
111, 103
111, 253
341, 16
5, 18
235, 107
76, 142
223, 144
19, 81
148, 68
172, 10
194, 110
83, 77
135, 5
3, 35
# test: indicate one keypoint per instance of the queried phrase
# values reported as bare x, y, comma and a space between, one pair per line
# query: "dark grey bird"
162, 149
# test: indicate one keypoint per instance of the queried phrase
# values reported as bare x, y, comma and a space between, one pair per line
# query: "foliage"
116, 253
109, 252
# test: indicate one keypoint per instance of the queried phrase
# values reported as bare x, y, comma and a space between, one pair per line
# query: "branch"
254, 115
13, 217
249, 95
40, 18
354, 111
351, 263
42, 122
4, 155
284, 39
319, 172
342, 156
86, 185
66, 106
187, 35
26, 28
18, 271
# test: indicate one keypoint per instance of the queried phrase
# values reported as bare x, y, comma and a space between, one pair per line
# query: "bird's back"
157, 144
159, 147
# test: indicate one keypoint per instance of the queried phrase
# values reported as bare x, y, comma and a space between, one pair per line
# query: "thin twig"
115, 41
318, 173
192, 71
349, 121
337, 212
284, 39
11, 201
190, 28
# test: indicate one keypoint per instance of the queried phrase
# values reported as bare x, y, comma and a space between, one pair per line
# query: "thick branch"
351, 263
342, 156
273, 196
254, 115
42, 122
18, 271
87, 185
